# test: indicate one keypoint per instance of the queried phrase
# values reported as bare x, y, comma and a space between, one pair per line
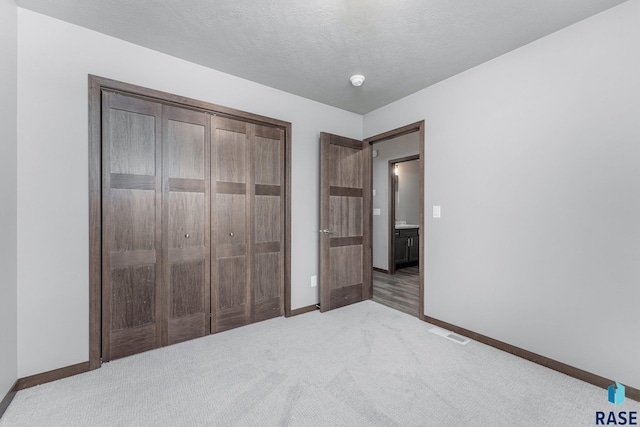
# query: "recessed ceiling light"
357, 80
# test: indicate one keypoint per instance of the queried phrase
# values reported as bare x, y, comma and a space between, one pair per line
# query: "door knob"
325, 231
187, 236
231, 234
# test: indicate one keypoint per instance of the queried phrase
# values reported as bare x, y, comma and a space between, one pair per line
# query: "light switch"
374, 191
376, 211
436, 211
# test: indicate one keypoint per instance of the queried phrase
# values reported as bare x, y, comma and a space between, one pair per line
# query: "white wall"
396, 148
8, 186
54, 59
408, 196
535, 159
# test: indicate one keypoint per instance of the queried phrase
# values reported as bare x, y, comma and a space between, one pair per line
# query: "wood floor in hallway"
399, 291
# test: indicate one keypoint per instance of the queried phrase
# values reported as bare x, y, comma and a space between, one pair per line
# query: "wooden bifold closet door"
248, 218
131, 227
193, 212
185, 224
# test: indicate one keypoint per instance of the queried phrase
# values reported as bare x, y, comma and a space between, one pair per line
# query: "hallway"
399, 291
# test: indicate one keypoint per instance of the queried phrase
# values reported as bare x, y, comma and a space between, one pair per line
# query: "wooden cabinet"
414, 246
406, 245
401, 252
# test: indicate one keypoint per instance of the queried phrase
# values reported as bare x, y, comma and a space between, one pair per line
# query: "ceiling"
311, 47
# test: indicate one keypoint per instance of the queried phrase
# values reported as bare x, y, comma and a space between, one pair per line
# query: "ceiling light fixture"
357, 80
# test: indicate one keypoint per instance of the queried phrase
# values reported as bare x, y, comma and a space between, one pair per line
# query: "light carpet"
362, 365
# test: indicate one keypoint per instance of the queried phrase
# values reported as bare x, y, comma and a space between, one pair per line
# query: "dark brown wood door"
248, 211
345, 224
230, 255
186, 180
268, 213
193, 214
131, 229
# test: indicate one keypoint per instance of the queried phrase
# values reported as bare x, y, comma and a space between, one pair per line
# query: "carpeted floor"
362, 365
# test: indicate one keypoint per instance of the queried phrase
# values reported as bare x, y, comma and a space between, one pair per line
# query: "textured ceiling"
312, 47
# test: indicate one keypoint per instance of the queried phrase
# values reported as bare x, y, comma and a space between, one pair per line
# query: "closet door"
268, 212
131, 229
248, 217
186, 180
230, 254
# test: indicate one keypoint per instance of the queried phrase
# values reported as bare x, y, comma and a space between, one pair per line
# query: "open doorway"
398, 218
404, 212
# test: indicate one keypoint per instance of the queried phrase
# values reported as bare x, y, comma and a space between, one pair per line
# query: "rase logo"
616, 396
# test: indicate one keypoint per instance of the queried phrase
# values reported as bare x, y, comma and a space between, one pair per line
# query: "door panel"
230, 256
348, 166
345, 239
268, 157
267, 214
132, 137
131, 212
132, 284
267, 276
186, 223
231, 219
267, 291
346, 263
232, 273
133, 219
345, 216
186, 148
187, 298
187, 214
248, 260
231, 145
231, 292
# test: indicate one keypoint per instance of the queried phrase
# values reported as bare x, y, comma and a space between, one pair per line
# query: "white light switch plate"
374, 191
314, 281
376, 211
436, 211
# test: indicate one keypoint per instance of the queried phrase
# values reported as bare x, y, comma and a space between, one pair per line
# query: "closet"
193, 222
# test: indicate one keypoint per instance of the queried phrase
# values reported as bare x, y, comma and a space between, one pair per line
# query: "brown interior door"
230, 198
268, 212
132, 240
248, 211
186, 181
193, 223
345, 221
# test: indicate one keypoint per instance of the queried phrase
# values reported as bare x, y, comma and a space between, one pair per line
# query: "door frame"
405, 130
96, 86
392, 210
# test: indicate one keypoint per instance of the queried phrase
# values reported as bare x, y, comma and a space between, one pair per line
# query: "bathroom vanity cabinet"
407, 244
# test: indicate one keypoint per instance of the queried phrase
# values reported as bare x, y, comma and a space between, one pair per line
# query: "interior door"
131, 229
248, 197
345, 221
186, 247
230, 198
268, 212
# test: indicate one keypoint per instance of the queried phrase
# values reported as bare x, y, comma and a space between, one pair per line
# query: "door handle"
325, 231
